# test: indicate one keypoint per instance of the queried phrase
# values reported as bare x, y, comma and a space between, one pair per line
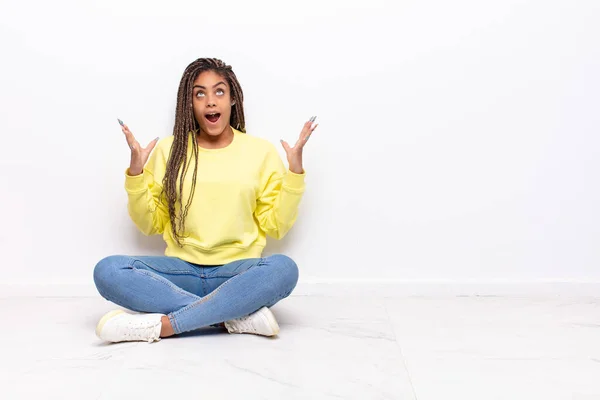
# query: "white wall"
457, 140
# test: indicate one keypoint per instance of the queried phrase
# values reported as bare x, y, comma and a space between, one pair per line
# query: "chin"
214, 131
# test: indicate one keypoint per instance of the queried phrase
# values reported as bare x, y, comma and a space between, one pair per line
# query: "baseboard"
405, 288
347, 287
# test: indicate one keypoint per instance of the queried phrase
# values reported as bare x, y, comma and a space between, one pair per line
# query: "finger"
128, 133
310, 133
131, 141
151, 145
125, 128
307, 125
308, 128
305, 130
286, 146
303, 135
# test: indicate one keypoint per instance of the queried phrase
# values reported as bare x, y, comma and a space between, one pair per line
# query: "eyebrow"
214, 86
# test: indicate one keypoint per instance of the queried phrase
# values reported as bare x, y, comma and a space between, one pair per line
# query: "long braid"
186, 125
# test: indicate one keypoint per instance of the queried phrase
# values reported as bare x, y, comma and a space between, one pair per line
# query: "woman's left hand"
294, 154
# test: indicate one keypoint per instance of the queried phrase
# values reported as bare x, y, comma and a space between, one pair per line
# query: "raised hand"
294, 154
139, 154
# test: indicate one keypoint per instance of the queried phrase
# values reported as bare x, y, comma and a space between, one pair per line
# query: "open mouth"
213, 117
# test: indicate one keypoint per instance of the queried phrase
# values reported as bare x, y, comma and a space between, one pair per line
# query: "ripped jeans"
195, 296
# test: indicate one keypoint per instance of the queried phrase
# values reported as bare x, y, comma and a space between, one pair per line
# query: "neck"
219, 141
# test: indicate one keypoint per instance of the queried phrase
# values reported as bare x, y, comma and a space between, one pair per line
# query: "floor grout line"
402, 357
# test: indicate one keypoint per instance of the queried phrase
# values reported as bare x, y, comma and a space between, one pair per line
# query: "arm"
148, 212
278, 202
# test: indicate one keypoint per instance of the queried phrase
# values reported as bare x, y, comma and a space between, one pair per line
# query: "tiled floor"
329, 348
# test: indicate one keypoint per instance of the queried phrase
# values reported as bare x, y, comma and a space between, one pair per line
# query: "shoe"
261, 322
119, 326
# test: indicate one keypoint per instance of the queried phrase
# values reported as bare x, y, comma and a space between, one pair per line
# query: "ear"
232, 103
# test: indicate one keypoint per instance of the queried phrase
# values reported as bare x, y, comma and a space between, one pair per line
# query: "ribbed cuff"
293, 182
134, 183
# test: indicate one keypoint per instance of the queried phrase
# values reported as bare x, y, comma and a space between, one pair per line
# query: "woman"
214, 193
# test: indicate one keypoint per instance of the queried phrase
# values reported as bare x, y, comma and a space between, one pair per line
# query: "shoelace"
141, 330
243, 324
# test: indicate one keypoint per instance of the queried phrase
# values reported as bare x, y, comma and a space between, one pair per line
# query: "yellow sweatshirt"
243, 192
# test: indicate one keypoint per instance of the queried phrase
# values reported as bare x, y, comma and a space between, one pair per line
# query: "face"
211, 98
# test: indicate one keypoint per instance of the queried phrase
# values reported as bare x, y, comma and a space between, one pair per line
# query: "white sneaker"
261, 322
118, 326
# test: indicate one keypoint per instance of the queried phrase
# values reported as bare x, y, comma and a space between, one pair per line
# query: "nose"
210, 101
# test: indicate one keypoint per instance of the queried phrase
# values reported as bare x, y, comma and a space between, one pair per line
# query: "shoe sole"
105, 319
268, 315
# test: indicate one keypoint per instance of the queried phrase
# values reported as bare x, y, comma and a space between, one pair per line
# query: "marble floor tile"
341, 347
499, 348
328, 348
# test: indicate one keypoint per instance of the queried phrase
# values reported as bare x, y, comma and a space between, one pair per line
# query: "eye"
220, 92
199, 94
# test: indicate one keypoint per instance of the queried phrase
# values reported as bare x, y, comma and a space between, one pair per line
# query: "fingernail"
120, 122
157, 138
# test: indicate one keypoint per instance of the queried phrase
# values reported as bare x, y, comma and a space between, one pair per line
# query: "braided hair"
186, 124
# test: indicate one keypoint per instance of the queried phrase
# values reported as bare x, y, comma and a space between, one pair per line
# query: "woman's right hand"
139, 154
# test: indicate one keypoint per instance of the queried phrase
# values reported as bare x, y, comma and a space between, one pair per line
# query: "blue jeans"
191, 295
